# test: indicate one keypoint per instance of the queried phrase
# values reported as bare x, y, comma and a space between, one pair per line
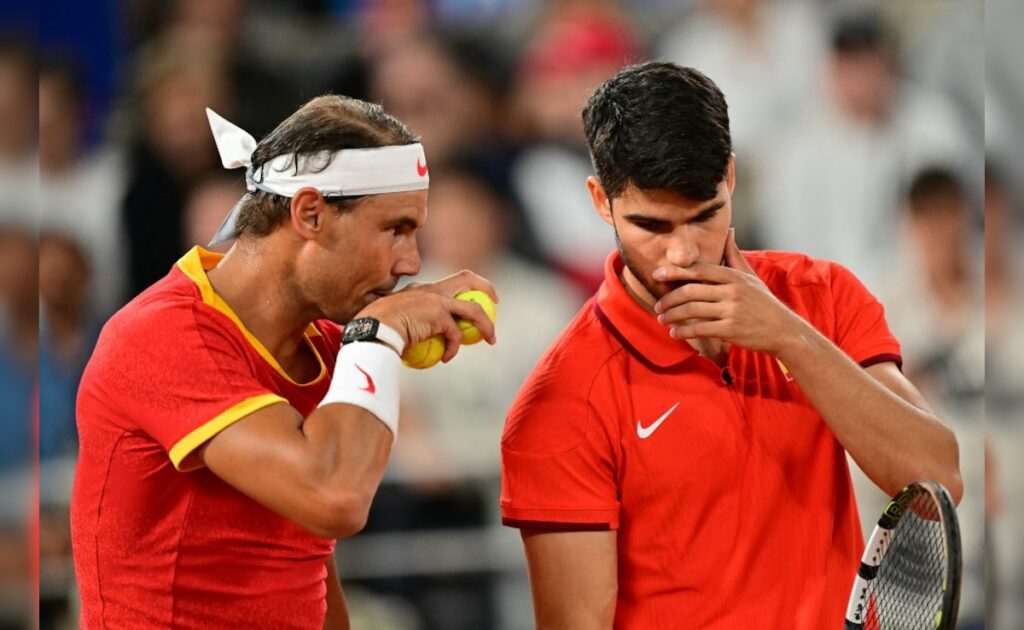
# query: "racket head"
897, 585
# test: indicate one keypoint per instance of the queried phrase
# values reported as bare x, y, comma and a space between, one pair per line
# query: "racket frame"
881, 540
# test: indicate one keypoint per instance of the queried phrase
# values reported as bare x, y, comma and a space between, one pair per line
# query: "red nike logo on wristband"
421, 168
370, 387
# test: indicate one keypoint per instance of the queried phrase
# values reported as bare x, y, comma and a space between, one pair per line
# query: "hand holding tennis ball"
428, 352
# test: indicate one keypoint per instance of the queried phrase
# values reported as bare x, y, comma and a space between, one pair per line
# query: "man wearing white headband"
226, 440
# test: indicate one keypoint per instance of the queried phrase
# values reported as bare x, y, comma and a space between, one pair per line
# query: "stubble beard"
649, 286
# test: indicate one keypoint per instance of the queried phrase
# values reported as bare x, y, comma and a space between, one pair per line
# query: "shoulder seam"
587, 429
597, 374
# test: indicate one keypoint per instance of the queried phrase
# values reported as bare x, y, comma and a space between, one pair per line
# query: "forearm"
353, 429
346, 452
893, 440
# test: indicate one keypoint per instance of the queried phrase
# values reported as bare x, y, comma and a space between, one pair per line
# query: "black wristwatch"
371, 329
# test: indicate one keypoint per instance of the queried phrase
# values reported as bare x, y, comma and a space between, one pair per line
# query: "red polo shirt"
731, 496
159, 542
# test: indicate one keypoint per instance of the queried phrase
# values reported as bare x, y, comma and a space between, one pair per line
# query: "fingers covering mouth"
384, 292
680, 283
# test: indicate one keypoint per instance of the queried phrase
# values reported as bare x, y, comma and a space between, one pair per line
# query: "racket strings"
907, 593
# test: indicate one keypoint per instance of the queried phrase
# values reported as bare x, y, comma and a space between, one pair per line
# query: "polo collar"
635, 327
194, 264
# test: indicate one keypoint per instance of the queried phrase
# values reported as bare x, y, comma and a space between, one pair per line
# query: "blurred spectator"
17, 100
383, 23
834, 182
449, 90
577, 45
765, 55
1004, 363
207, 207
999, 255
258, 98
19, 171
19, 343
80, 192
943, 52
935, 307
452, 415
18, 321
464, 403
18, 351
67, 334
177, 80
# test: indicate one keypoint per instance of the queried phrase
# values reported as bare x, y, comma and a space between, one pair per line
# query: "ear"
600, 200
307, 213
730, 175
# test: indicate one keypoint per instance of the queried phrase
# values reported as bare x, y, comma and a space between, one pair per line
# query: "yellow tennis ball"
425, 354
428, 352
470, 333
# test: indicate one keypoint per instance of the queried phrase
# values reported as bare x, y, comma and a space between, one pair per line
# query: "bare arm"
337, 609
573, 577
876, 414
322, 472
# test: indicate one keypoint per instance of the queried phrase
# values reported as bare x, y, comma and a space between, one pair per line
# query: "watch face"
360, 329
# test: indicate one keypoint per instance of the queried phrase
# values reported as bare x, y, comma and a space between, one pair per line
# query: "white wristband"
366, 375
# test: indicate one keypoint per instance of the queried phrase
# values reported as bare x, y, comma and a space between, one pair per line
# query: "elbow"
951, 478
341, 514
956, 488
940, 463
953, 481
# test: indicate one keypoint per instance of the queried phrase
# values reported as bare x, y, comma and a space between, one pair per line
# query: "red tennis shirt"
158, 541
730, 495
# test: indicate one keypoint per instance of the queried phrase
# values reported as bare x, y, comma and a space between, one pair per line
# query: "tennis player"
226, 441
677, 459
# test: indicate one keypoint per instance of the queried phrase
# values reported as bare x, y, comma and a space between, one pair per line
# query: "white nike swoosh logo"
645, 432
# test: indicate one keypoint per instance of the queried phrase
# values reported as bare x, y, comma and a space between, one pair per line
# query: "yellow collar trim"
194, 264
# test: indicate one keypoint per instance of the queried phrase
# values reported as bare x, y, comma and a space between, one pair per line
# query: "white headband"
348, 172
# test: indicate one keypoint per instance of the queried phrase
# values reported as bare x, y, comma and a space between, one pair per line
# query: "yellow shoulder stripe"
198, 436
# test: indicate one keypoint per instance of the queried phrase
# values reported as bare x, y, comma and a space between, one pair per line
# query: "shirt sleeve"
558, 461
860, 327
181, 376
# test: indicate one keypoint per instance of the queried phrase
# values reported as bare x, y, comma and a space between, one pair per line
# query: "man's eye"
652, 226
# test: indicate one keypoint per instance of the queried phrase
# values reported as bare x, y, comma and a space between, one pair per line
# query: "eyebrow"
636, 216
405, 222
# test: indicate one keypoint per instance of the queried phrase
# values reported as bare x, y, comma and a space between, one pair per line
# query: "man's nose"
408, 263
682, 252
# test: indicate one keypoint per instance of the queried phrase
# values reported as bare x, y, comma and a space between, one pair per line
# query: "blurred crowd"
864, 132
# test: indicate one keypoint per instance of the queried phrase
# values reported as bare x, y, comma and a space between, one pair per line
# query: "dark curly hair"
657, 125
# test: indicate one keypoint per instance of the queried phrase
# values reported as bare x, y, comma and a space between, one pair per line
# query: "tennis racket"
909, 577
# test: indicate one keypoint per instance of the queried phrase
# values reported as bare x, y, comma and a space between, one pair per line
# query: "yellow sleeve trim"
195, 439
